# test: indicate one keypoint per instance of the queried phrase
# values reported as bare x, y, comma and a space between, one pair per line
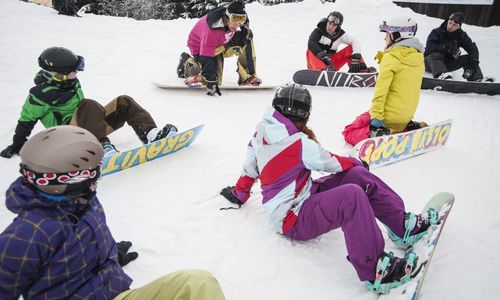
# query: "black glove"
327, 60
356, 64
124, 257
452, 48
227, 192
247, 33
9, 151
468, 74
212, 89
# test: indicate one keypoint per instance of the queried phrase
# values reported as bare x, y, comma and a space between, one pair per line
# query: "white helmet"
399, 28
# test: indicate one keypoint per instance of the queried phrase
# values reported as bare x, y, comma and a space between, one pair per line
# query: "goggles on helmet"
72, 177
334, 19
236, 18
384, 27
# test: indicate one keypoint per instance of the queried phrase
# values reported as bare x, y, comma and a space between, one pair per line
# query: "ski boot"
416, 227
157, 134
392, 272
109, 149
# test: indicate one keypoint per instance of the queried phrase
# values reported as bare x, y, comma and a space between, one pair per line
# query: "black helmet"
293, 101
336, 18
60, 60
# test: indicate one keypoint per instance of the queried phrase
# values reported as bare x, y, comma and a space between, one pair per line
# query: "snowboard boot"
392, 272
378, 131
368, 70
487, 79
109, 149
251, 81
180, 67
157, 134
413, 125
416, 227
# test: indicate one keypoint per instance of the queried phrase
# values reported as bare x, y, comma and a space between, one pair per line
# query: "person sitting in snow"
59, 245
221, 33
282, 154
324, 42
443, 55
397, 90
57, 99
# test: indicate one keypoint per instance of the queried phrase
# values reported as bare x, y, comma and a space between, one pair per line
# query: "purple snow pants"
352, 200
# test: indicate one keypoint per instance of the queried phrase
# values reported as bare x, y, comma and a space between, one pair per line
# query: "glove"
452, 48
227, 192
124, 257
9, 151
247, 33
327, 60
468, 74
212, 89
356, 64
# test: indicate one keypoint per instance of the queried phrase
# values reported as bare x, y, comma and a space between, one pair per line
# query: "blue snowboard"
424, 249
131, 158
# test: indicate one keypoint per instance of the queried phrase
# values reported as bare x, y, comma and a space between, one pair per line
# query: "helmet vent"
76, 166
45, 137
84, 158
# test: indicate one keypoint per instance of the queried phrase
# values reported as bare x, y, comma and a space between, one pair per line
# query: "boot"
157, 134
416, 227
392, 272
252, 81
413, 125
109, 149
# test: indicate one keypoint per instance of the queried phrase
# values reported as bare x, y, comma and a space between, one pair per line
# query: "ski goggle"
236, 18
384, 27
72, 177
334, 19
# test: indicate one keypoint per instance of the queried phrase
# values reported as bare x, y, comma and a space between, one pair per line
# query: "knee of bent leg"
357, 197
192, 276
90, 105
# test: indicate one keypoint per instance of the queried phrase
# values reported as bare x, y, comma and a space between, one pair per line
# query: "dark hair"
457, 17
236, 7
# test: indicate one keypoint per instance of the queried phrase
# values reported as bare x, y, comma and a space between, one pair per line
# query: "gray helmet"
336, 18
60, 60
293, 101
60, 157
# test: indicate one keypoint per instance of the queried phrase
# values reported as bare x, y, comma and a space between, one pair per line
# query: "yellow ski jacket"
397, 90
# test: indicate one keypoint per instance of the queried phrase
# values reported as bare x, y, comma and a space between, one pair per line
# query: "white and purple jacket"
282, 158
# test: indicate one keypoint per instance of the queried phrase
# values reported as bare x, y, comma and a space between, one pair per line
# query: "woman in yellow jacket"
397, 90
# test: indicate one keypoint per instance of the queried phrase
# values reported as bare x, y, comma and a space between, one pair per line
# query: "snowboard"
142, 154
334, 79
224, 86
424, 248
387, 149
460, 87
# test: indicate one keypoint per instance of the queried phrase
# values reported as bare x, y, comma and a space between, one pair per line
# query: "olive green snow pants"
181, 285
103, 120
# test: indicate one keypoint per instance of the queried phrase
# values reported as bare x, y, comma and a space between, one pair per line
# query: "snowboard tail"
142, 154
334, 79
387, 149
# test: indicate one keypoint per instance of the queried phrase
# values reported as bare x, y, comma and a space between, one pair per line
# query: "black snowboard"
334, 79
461, 87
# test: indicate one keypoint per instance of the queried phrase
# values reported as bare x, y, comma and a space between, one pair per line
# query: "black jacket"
440, 36
314, 43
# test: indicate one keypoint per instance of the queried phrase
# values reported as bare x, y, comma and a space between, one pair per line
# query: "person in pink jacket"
223, 32
282, 154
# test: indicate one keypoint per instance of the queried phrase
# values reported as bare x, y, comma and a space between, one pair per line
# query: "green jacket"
51, 103
397, 90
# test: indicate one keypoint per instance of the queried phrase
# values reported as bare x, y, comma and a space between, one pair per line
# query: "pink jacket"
358, 130
203, 40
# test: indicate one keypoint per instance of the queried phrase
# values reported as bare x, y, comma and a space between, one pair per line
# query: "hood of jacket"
407, 51
23, 196
274, 127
